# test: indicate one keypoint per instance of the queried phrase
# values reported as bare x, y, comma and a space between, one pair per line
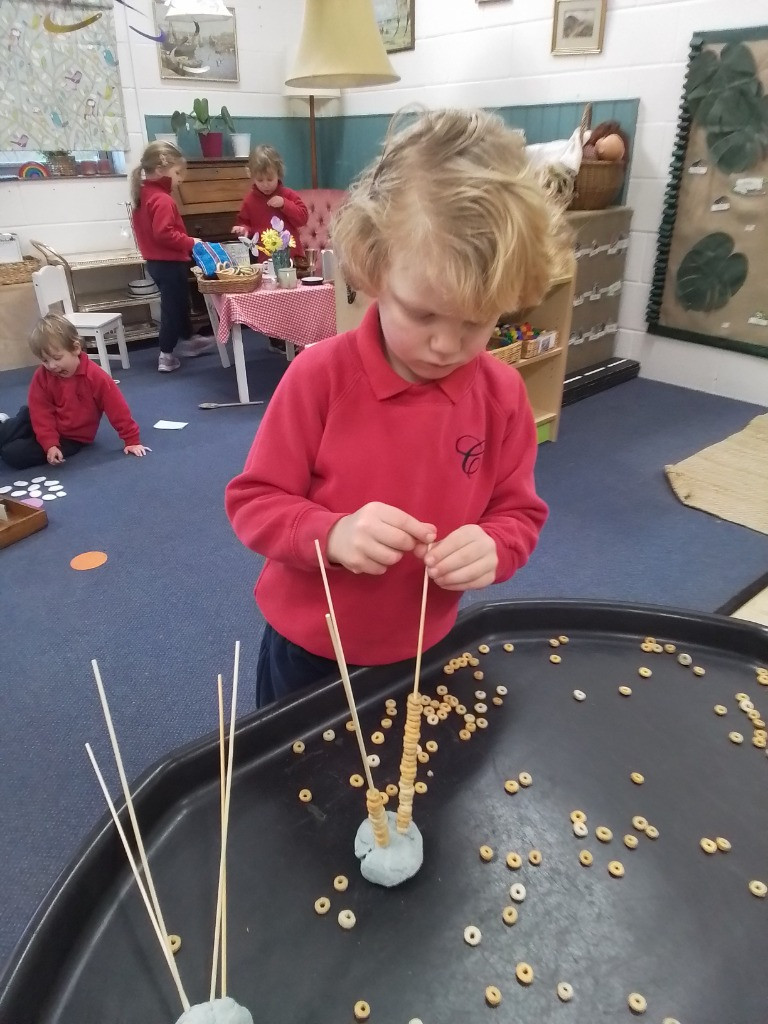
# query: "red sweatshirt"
343, 429
257, 216
72, 407
158, 226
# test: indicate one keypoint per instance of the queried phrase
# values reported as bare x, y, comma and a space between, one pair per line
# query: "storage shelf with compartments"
601, 240
98, 283
544, 372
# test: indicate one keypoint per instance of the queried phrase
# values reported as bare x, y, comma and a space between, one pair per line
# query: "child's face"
61, 362
424, 341
266, 182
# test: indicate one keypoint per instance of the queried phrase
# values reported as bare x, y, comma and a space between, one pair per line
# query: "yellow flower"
271, 241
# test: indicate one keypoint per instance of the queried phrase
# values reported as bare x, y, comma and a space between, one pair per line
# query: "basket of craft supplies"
603, 164
229, 280
19, 272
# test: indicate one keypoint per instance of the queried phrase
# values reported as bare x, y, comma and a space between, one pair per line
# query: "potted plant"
208, 126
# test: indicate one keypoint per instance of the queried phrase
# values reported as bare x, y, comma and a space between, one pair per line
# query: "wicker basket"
62, 165
230, 285
19, 273
508, 353
598, 181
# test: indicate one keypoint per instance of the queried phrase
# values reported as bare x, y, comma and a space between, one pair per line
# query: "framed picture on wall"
578, 26
191, 49
395, 19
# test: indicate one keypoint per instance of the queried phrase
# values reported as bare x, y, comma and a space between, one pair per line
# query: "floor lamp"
340, 48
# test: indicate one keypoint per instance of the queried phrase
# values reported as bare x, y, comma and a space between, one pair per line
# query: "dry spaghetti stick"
222, 797
162, 938
422, 616
343, 671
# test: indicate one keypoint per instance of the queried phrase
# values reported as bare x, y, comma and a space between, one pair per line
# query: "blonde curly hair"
453, 193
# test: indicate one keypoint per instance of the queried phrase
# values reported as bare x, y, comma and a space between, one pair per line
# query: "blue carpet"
162, 615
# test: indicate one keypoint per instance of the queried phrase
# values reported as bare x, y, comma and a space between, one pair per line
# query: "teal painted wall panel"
345, 145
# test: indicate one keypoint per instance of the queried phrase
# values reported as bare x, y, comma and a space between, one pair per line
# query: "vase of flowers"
277, 243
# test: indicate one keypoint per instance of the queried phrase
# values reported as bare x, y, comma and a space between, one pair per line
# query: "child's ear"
77, 348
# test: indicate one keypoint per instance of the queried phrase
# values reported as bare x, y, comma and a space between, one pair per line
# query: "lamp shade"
197, 10
340, 47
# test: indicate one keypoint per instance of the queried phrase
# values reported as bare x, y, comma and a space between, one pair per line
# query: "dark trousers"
171, 277
284, 668
19, 447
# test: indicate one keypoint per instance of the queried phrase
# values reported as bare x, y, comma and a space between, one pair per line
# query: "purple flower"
277, 224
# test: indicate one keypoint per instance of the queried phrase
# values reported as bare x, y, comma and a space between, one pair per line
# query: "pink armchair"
321, 203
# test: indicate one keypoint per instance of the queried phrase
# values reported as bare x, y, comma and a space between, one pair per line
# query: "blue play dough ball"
220, 1011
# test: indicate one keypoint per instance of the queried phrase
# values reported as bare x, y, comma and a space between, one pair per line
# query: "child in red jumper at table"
270, 198
68, 395
165, 245
403, 443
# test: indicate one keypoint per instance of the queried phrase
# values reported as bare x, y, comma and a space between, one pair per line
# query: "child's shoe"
3, 417
197, 345
167, 363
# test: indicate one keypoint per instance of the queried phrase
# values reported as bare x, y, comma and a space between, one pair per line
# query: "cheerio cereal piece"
478, 675
685, 660
482, 723
758, 888
305, 795
471, 727
625, 691
377, 737
501, 691
604, 834
340, 883
637, 1003
329, 735
174, 943
708, 845
356, 780
640, 823
670, 648
349, 725
347, 919
637, 778
720, 709
373, 760
509, 648
564, 992
480, 708
534, 858
645, 673
722, 844
298, 747
563, 639
652, 832
492, 995
484, 649
579, 695
420, 787
441, 690
422, 756
580, 830
362, 1010
631, 842
554, 642
698, 670
525, 779
386, 723
509, 915
555, 659
735, 737
578, 816
511, 786
465, 734
322, 905
431, 746
391, 789
616, 869
514, 861
524, 973
472, 935
486, 853
585, 858
498, 701
517, 892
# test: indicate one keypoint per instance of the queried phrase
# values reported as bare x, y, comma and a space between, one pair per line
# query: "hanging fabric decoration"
51, 26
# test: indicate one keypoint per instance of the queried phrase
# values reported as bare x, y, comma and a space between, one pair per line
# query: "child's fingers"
407, 524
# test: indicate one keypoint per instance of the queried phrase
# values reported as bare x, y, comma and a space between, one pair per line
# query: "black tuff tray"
681, 927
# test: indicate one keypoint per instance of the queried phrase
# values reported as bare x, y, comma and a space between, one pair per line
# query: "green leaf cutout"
710, 273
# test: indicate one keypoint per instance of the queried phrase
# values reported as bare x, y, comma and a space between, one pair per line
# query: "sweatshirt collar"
385, 381
162, 184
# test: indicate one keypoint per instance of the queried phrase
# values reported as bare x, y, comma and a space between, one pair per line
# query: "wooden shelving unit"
543, 374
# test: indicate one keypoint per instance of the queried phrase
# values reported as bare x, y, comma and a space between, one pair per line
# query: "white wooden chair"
105, 328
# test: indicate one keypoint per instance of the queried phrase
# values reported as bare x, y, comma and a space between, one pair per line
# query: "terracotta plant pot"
212, 145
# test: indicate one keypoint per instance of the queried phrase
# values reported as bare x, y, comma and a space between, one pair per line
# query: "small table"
301, 316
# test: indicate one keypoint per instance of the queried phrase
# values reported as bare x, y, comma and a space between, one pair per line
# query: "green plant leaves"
710, 273
725, 96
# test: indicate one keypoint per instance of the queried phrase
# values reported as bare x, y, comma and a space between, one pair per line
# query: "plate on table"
312, 280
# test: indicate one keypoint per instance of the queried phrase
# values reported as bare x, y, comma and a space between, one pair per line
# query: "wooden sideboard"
210, 195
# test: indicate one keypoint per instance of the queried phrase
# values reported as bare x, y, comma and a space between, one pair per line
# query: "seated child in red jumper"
403, 443
68, 395
270, 198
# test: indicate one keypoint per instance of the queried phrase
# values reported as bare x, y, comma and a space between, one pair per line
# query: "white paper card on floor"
169, 425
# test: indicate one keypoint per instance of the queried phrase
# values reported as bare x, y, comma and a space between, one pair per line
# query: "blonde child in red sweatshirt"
68, 395
165, 245
270, 198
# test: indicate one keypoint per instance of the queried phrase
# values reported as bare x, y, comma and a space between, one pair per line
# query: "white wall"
499, 54
466, 54
83, 214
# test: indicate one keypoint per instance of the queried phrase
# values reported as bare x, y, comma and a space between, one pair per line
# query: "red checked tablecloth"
300, 315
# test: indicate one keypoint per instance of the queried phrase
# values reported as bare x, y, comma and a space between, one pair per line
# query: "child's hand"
136, 449
239, 229
375, 538
464, 560
54, 456
275, 202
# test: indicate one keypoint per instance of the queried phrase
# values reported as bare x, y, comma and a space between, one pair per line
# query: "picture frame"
193, 50
578, 26
396, 20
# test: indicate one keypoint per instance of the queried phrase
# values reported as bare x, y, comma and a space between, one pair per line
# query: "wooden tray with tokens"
593, 802
18, 521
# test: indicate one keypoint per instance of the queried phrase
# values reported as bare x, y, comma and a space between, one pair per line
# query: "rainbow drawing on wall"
59, 78
32, 169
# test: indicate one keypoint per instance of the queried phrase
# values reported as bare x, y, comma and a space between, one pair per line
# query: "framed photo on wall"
578, 26
190, 49
395, 19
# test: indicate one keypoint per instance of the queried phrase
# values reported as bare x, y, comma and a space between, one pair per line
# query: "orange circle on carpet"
88, 560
